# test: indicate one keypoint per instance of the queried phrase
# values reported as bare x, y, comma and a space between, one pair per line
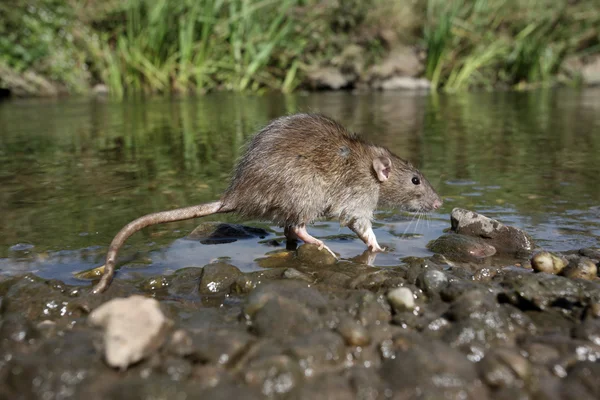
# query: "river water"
74, 171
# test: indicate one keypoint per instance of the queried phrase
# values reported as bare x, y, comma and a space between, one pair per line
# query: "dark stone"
218, 278
423, 366
218, 233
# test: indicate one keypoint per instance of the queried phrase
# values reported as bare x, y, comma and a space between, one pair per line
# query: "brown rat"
300, 168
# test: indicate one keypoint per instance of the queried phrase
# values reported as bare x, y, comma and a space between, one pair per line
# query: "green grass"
182, 46
492, 43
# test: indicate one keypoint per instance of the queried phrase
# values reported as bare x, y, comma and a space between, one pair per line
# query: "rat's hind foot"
300, 232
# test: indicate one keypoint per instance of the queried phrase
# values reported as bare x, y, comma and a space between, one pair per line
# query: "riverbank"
64, 47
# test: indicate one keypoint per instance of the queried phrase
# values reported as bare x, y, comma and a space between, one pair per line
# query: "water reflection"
73, 171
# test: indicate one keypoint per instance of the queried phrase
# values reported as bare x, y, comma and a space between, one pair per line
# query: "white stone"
134, 327
401, 298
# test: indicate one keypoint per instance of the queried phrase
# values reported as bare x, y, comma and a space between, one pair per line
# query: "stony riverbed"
466, 323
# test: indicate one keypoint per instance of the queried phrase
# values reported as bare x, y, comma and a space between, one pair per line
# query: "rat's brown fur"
300, 168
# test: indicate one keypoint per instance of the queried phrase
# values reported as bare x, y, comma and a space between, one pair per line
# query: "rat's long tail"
162, 217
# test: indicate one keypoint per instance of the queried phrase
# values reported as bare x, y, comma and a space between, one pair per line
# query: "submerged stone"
461, 247
219, 233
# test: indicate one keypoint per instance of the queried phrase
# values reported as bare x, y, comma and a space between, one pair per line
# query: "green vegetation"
160, 46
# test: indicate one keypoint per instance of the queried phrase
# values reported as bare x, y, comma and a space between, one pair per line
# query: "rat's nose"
437, 204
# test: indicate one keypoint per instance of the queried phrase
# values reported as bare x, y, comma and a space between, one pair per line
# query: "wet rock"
246, 283
547, 262
539, 291
277, 259
331, 78
274, 375
177, 369
281, 318
133, 328
310, 254
185, 281
506, 239
421, 365
218, 233
432, 282
582, 381
155, 283
38, 300
318, 352
88, 274
593, 310
540, 353
377, 280
283, 309
461, 247
327, 387
457, 288
292, 273
354, 333
581, 268
481, 323
62, 365
366, 383
401, 299
218, 346
588, 330
593, 254
505, 367
372, 309
218, 278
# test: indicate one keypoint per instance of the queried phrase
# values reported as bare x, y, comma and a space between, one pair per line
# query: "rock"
218, 233
422, 365
133, 328
273, 375
100, 89
329, 78
461, 247
310, 254
547, 262
403, 83
581, 268
480, 323
218, 278
215, 346
588, 330
505, 367
319, 351
538, 291
400, 62
590, 72
327, 387
354, 333
432, 281
506, 239
401, 299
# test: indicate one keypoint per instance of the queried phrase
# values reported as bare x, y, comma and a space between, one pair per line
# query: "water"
74, 171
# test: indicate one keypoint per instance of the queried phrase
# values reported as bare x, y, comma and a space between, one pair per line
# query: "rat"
300, 168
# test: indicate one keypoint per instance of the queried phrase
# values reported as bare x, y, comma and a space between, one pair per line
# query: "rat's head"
403, 186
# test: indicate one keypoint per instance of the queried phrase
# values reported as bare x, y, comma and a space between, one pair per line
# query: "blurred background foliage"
160, 46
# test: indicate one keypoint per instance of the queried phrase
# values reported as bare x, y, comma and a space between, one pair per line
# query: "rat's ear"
382, 167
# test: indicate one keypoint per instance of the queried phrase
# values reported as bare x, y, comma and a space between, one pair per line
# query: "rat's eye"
416, 180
